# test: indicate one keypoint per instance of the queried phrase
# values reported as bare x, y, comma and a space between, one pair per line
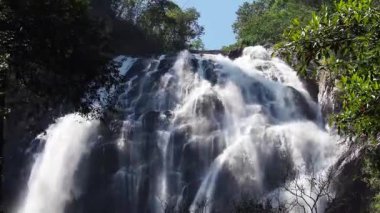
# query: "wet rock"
312, 87
194, 162
328, 96
209, 71
352, 193
189, 192
263, 66
236, 53
194, 63
229, 189
277, 165
261, 93
143, 104
150, 121
216, 145
94, 173
301, 104
257, 52
211, 107
198, 154
178, 138
137, 68
165, 65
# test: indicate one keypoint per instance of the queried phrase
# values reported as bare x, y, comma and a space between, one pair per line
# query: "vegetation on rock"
352, 56
344, 40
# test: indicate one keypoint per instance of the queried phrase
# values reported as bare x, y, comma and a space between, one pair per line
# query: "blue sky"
217, 16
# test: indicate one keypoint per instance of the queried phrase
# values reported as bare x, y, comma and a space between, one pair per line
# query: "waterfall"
50, 184
188, 131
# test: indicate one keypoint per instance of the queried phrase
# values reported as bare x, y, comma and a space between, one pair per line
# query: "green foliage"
174, 28
53, 49
229, 48
129, 10
375, 206
372, 174
161, 21
264, 21
58, 50
197, 44
345, 42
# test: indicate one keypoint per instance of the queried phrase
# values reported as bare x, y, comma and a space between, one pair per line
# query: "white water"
250, 117
250, 131
50, 184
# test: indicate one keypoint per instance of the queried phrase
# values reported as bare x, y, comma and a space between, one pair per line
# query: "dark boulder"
209, 71
301, 103
236, 53
211, 107
352, 193
150, 121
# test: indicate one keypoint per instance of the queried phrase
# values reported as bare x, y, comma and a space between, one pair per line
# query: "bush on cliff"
345, 41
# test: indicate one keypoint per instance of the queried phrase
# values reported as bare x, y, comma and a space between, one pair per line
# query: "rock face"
352, 193
191, 128
28, 118
301, 104
328, 93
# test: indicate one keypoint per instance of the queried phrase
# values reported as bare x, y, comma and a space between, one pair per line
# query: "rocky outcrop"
352, 193
232, 54
28, 117
328, 93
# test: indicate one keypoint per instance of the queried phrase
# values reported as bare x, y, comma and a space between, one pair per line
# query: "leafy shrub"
264, 21
344, 41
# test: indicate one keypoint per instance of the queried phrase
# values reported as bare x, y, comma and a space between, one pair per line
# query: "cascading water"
50, 185
188, 131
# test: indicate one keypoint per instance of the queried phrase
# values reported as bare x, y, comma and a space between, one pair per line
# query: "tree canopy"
58, 50
53, 48
263, 21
